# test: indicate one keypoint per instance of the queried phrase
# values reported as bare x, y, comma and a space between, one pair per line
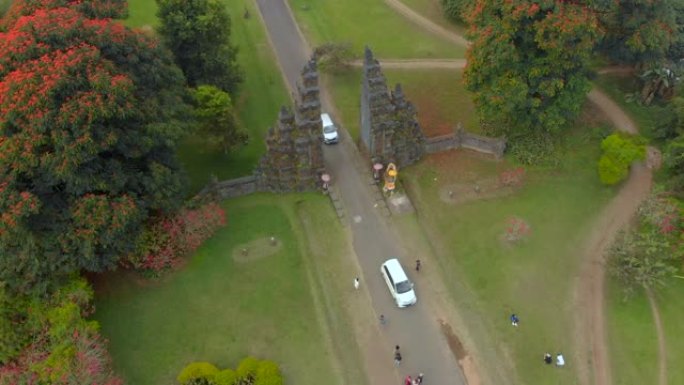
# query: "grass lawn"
432, 10
671, 308
617, 86
439, 96
372, 23
260, 98
489, 278
632, 338
222, 306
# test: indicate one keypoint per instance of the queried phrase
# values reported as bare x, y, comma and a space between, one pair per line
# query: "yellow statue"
390, 177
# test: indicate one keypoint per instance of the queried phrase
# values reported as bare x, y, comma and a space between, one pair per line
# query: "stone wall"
231, 188
460, 138
389, 127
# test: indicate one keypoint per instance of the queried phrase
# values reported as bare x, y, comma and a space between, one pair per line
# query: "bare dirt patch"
465, 361
488, 188
256, 249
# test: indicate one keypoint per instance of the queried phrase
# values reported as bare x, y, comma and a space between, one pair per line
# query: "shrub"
247, 368
169, 239
268, 373
198, 373
225, 377
333, 57
619, 151
65, 348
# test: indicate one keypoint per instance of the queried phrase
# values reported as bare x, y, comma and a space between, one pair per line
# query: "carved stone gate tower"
389, 128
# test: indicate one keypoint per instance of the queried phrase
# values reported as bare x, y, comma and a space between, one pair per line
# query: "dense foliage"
618, 153
642, 32
646, 255
58, 345
527, 65
88, 118
198, 34
170, 238
455, 9
250, 371
217, 124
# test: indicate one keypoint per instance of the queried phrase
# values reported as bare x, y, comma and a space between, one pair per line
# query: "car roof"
396, 270
326, 119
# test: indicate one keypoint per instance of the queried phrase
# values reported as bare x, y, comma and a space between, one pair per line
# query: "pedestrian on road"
397, 358
417, 264
514, 320
548, 359
408, 381
419, 379
382, 319
357, 283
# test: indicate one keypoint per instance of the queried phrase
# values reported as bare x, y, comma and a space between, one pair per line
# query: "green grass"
671, 308
142, 13
372, 23
260, 98
632, 338
617, 86
438, 95
432, 10
218, 310
534, 278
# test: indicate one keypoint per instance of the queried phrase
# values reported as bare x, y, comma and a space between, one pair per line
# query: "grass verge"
372, 23
438, 95
260, 98
632, 338
533, 278
220, 309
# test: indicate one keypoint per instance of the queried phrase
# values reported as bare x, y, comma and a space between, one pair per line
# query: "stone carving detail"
389, 128
294, 156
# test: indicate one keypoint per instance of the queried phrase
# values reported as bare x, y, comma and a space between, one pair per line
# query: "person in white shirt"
560, 361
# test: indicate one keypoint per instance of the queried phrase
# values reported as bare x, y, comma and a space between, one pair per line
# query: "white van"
399, 285
329, 130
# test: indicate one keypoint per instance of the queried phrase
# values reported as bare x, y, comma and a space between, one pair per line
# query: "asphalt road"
415, 329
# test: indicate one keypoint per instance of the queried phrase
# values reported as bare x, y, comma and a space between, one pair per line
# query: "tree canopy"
89, 115
527, 66
198, 34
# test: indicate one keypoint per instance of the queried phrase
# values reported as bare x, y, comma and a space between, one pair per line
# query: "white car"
398, 283
329, 130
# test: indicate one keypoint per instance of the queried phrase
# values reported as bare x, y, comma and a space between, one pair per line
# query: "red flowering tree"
89, 114
527, 65
171, 238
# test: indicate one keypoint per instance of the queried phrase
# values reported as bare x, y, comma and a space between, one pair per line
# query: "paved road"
416, 330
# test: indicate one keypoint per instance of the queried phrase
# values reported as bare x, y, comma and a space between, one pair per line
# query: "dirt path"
662, 351
426, 23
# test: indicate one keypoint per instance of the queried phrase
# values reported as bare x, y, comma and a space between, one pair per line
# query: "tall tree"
641, 32
527, 66
198, 34
89, 114
216, 120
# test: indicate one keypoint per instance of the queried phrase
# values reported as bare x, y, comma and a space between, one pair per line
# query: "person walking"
548, 359
514, 319
408, 381
397, 355
357, 283
382, 319
419, 379
418, 265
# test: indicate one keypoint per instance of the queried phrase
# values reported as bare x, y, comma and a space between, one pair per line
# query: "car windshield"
403, 287
329, 129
